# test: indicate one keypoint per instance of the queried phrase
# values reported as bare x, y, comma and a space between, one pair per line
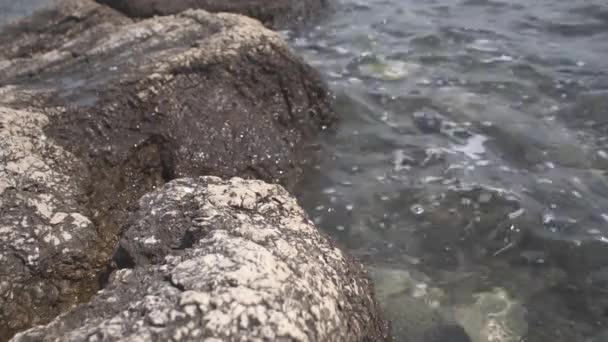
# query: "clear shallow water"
469, 169
11, 10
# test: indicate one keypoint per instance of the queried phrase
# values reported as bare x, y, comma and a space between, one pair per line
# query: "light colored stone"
245, 277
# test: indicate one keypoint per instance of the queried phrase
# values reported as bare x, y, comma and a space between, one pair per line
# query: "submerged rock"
494, 317
273, 13
96, 110
447, 333
232, 260
412, 303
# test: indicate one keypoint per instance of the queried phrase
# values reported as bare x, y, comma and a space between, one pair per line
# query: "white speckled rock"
45, 237
98, 109
221, 260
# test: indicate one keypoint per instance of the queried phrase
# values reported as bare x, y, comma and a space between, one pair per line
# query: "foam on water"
473, 148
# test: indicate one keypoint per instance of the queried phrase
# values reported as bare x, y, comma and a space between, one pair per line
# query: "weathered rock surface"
273, 13
96, 110
217, 94
225, 261
45, 237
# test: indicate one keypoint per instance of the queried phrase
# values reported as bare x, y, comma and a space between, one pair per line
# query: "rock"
47, 240
494, 316
220, 77
387, 70
273, 13
225, 261
98, 110
579, 256
428, 121
399, 289
447, 333
589, 107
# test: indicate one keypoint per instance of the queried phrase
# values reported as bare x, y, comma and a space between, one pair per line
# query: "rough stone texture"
225, 261
218, 94
273, 13
45, 235
98, 110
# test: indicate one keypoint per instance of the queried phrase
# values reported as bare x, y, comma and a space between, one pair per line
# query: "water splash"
474, 146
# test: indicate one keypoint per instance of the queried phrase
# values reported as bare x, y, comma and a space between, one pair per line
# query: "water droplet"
431, 179
388, 70
548, 218
501, 58
401, 160
417, 209
424, 81
473, 147
485, 197
342, 50
517, 213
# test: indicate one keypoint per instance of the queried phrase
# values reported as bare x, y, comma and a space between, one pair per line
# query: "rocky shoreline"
106, 124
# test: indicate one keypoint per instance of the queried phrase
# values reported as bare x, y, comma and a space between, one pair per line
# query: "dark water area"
469, 169
12, 10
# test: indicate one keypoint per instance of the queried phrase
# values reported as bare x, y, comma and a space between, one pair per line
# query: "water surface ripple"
469, 169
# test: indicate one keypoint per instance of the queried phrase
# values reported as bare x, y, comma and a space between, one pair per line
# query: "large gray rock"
273, 13
97, 110
225, 261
